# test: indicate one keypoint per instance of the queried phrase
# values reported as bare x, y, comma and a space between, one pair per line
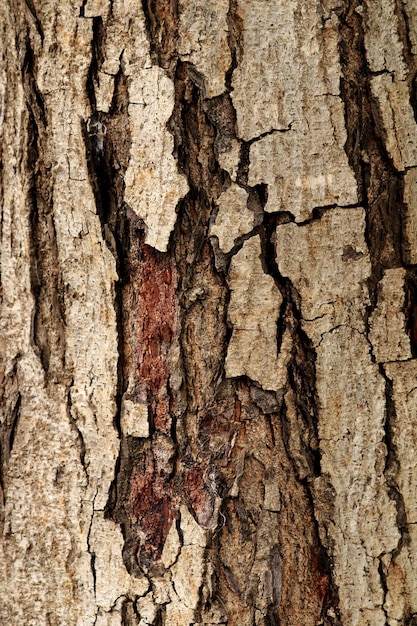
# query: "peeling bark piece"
234, 219
253, 312
203, 32
269, 88
362, 525
112, 578
398, 120
388, 336
410, 218
382, 40
172, 547
327, 260
301, 177
306, 166
134, 419
153, 183
230, 158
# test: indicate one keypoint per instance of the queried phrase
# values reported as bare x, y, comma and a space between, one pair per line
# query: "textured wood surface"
208, 322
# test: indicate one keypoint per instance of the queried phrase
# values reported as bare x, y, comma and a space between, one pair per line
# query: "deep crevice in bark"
392, 464
222, 115
129, 614
381, 190
234, 38
48, 329
122, 231
198, 127
10, 398
403, 21
380, 186
301, 369
202, 292
302, 380
410, 309
32, 9
161, 18
107, 159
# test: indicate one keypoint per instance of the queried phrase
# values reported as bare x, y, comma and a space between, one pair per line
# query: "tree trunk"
209, 312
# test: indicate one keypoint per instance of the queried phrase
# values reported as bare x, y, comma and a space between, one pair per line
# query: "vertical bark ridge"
47, 288
382, 186
379, 184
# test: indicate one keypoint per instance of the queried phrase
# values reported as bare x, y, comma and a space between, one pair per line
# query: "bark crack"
392, 463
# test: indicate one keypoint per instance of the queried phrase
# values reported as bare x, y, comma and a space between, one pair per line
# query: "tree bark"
209, 312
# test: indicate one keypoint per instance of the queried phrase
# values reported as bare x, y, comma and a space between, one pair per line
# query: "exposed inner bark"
225, 438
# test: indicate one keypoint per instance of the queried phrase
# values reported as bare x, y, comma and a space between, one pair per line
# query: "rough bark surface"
208, 319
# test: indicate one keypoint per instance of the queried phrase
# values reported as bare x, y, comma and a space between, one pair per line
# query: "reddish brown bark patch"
321, 584
157, 310
142, 499
151, 505
152, 511
200, 492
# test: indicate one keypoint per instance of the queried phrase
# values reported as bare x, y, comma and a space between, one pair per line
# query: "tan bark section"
203, 41
328, 262
65, 444
385, 54
410, 218
234, 219
254, 337
330, 280
387, 323
153, 184
287, 85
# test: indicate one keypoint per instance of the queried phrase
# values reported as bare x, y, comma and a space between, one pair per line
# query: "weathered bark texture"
208, 312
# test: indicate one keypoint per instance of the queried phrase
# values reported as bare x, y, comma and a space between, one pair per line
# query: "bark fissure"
47, 288
78, 433
392, 463
11, 401
403, 21
380, 188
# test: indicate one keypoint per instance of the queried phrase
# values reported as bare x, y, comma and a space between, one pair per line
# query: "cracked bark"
208, 236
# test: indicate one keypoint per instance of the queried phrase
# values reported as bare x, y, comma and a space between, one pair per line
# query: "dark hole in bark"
411, 312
